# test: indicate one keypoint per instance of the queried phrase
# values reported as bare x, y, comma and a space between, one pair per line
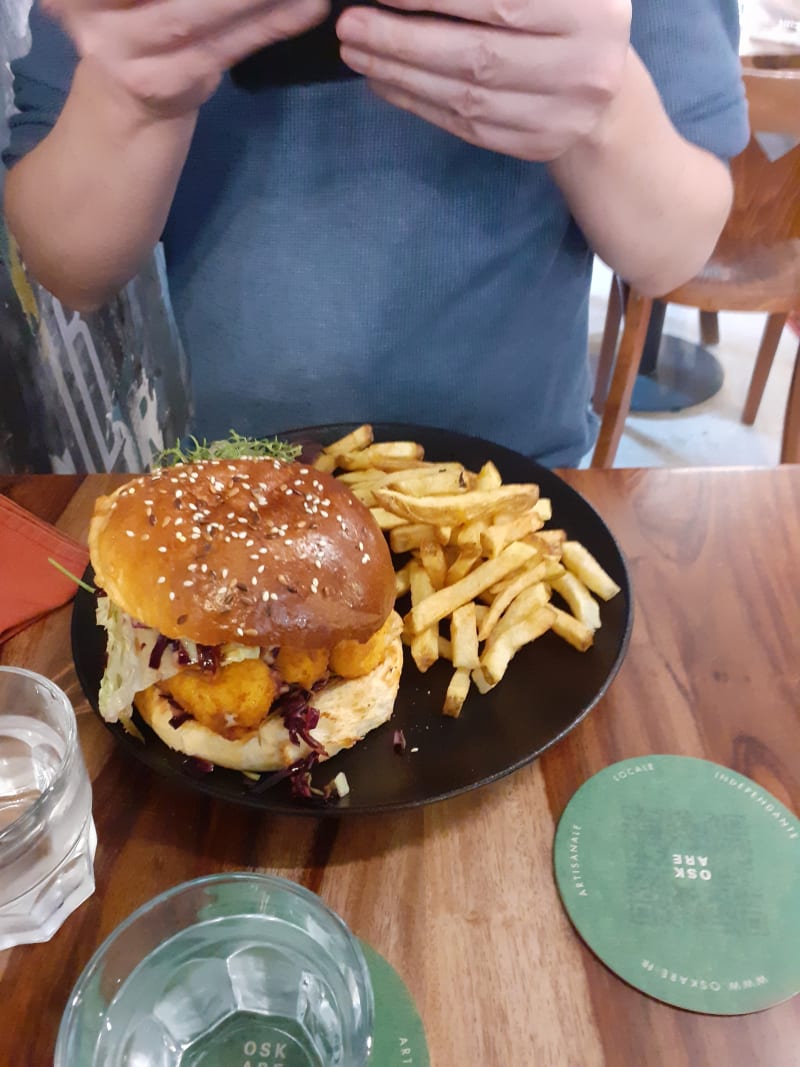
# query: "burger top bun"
253, 551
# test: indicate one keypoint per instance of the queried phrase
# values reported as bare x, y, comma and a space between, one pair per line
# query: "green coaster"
684, 878
399, 1039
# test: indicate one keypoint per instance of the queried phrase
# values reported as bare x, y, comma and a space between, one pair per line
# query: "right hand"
169, 55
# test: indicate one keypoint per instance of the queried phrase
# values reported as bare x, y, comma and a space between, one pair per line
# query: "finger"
535, 16
500, 139
475, 103
482, 55
163, 26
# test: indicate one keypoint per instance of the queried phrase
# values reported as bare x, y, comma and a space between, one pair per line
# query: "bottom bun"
348, 710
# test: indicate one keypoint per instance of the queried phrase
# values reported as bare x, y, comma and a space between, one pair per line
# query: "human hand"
169, 55
527, 78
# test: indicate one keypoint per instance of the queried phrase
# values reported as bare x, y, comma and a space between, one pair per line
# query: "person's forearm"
88, 204
651, 204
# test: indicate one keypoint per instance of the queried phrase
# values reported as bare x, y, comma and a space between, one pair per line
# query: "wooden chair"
755, 267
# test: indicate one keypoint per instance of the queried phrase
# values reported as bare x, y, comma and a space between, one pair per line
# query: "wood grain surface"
460, 896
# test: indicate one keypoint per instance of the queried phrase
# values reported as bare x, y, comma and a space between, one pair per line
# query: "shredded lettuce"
129, 646
128, 670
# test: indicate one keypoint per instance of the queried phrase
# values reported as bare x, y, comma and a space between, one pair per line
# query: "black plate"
547, 690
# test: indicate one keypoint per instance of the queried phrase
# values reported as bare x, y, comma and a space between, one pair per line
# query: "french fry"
458, 508
488, 477
496, 536
386, 520
402, 581
444, 602
351, 442
584, 566
524, 606
445, 649
470, 535
364, 476
581, 602
431, 555
390, 456
411, 535
480, 681
529, 576
464, 637
424, 640
549, 542
452, 480
544, 509
572, 630
462, 565
499, 651
324, 463
456, 693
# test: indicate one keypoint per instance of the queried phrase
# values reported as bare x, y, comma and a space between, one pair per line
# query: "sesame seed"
249, 543
240, 631
365, 558
224, 572
231, 515
180, 536
318, 563
188, 583
149, 503
273, 596
162, 548
255, 555
261, 568
130, 533
254, 580
304, 470
171, 595
179, 522
192, 567
265, 596
203, 567
161, 580
178, 494
253, 506
145, 537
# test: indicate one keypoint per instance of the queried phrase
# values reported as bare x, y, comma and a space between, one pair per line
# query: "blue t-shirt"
332, 258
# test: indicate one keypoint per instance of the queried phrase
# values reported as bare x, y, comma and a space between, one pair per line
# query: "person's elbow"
684, 257
63, 275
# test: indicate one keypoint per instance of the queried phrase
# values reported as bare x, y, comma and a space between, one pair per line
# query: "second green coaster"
684, 878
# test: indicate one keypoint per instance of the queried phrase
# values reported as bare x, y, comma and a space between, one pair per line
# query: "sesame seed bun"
252, 551
348, 710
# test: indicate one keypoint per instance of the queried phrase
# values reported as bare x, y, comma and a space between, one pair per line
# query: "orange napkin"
30, 586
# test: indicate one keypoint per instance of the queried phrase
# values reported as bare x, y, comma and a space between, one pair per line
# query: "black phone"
313, 56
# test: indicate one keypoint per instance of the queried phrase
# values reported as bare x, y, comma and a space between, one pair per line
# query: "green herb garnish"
71, 576
235, 447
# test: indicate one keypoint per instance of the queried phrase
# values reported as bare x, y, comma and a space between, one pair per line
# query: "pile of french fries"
483, 570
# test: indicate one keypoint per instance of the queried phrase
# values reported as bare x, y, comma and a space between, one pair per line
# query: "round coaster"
399, 1039
684, 878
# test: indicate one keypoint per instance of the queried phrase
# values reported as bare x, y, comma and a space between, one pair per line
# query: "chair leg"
608, 348
766, 354
709, 328
617, 406
790, 449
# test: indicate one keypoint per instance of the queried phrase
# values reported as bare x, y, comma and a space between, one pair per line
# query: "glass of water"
47, 835
231, 970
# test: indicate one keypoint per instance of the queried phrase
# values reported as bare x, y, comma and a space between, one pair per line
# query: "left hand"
527, 78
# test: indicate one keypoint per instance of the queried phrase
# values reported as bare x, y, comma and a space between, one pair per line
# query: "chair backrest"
766, 206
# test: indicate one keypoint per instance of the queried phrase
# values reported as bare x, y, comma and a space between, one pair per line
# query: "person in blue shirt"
411, 245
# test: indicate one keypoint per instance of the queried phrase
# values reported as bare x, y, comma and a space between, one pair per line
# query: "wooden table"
460, 895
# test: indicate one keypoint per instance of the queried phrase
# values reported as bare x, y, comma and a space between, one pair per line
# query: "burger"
248, 606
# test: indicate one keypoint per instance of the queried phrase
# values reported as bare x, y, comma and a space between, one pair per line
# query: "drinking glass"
47, 835
230, 970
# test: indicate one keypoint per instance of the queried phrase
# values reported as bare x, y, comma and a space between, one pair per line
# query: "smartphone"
311, 57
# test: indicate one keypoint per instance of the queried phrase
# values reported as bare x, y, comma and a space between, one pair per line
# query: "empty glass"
232, 970
47, 835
